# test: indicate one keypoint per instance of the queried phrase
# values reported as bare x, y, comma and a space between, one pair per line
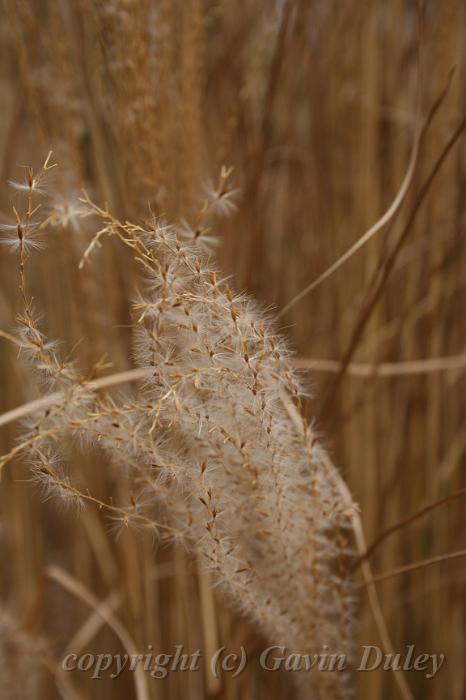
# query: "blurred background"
316, 104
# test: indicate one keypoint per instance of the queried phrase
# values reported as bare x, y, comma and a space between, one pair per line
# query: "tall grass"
318, 107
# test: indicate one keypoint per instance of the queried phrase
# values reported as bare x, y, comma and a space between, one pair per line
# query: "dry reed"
317, 106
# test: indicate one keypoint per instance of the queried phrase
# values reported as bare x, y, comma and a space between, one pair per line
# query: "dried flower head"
211, 449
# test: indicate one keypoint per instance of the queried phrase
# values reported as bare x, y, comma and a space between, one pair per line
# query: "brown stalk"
407, 521
377, 285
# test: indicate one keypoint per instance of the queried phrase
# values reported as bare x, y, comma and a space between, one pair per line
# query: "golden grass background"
316, 106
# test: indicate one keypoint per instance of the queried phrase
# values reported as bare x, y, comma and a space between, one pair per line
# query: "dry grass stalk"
209, 442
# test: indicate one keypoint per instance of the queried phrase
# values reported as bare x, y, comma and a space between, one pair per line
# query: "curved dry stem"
93, 623
79, 591
45, 401
11, 338
393, 209
366, 569
64, 686
410, 519
356, 369
417, 565
375, 228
